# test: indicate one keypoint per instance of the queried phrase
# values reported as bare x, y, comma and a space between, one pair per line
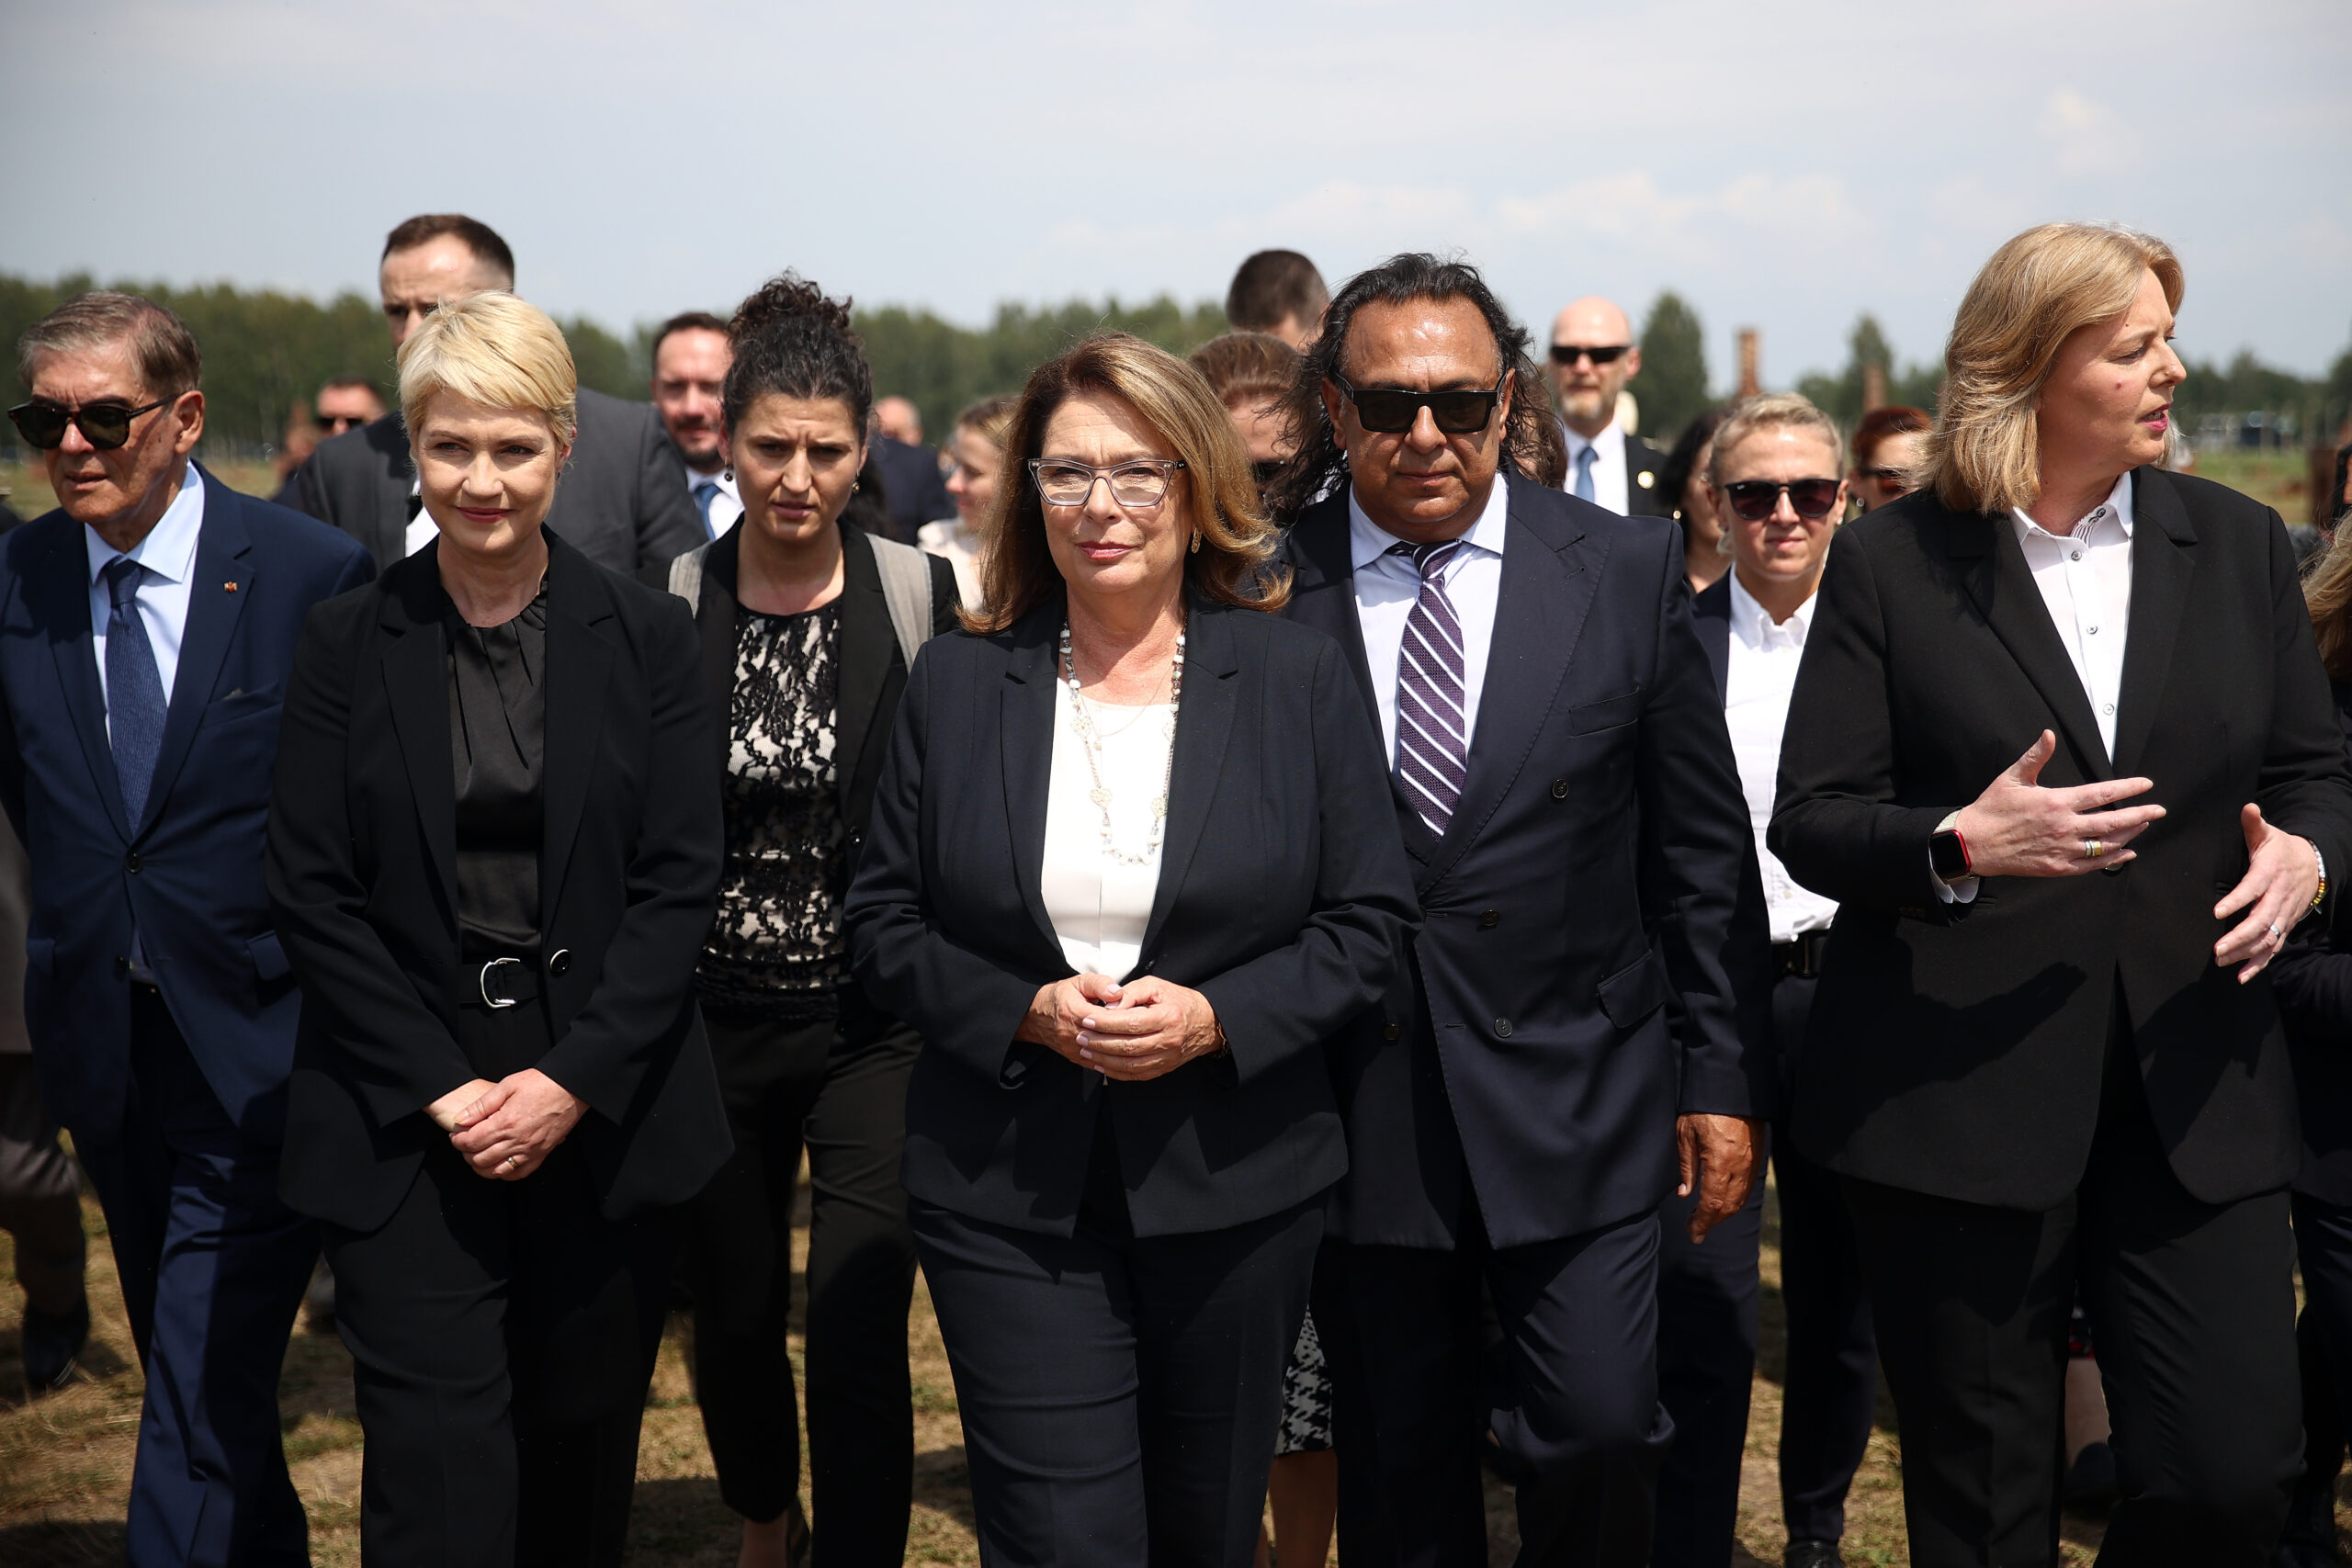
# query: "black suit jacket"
873, 673
1711, 616
913, 490
1594, 953
620, 502
362, 873
2313, 979
1957, 1049
1645, 468
1283, 898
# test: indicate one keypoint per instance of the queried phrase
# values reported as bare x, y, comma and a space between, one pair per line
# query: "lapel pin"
229, 588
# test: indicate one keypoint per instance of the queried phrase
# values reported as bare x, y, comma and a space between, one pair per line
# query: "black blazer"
361, 872
1595, 951
1957, 1049
1644, 481
1711, 616
873, 672
2313, 979
1283, 898
620, 502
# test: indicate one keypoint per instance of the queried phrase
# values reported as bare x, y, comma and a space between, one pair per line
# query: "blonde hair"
1984, 453
493, 349
2327, 595
989, 419
1215, 483
1774, 411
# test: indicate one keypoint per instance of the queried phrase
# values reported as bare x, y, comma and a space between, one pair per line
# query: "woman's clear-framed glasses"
1138, 483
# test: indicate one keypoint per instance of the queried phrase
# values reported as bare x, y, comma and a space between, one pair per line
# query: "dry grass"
66, 1460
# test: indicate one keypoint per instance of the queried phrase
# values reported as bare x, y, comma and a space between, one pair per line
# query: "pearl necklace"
1101, 793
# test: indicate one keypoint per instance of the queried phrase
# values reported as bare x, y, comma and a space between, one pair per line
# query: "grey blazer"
620, 502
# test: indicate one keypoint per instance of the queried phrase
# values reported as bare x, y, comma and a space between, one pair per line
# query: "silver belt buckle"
487, 999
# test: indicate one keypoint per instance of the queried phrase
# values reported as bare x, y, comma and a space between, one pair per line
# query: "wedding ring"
513, 1159
2094, 848
2274, 931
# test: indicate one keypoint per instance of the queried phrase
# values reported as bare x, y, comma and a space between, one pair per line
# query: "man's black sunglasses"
105, 426
336, 423
1569, 353
1756, 500
1388, 412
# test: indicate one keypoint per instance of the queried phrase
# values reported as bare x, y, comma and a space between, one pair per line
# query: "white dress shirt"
1100, 906
2086, 580
422, 529
1609, 475
1761, 676
1387, 584
168, 552
725, 506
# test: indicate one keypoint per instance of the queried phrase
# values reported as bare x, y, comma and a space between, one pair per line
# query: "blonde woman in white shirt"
975, 447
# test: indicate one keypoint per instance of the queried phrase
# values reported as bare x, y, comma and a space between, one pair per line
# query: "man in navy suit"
1582, 1029
146, 627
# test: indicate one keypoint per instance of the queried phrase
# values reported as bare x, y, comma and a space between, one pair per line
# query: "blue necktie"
134, 691
1584, 473
705, 492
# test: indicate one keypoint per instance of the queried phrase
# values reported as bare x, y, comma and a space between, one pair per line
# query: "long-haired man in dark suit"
1580, 1030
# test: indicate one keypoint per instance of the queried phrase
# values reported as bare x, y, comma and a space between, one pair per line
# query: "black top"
1959, 1049
2313, 979
497, 738
774, 948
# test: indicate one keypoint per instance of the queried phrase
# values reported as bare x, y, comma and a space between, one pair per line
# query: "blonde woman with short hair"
2062, 751
492, 852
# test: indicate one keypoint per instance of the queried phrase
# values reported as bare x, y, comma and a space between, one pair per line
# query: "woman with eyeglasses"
1132, 862
976, 448
1889, 445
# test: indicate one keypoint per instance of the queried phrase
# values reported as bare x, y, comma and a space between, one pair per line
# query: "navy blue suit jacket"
1594, 958
188, 876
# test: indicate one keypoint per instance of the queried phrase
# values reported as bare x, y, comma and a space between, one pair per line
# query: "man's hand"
2019, 829
1719, 1157
2281, 876
510, 1131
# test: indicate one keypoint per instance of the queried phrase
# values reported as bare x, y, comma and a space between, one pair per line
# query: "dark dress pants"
1708, 1297
2192, 1306
2323, 1343
212, 1266
1573, 1409
1120, 1395
1829, 1395
842, 1086
502, 1335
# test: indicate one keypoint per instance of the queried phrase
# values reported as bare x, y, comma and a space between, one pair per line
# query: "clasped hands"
2017, 828
1134, 1032
507, 1129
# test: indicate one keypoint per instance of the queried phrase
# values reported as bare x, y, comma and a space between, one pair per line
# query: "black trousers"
2324, 1344
1120, 1395
502, 1335
1829, 1397
842, 1087
1709, 1294
2192, 1306
1573, 1403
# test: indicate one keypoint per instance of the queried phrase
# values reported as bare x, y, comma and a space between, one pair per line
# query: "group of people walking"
1287, 892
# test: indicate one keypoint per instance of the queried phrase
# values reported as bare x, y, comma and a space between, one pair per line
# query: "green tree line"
266, 352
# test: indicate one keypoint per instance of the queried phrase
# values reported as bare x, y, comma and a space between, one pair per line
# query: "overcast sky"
1784, 166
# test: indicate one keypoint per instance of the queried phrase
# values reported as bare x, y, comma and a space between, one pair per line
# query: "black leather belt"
500, 983
1802, 957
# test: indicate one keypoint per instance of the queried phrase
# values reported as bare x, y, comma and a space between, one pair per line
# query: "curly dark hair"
1533, 447
789, 340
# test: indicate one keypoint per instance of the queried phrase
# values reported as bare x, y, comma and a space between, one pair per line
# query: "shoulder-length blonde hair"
493, 349
1216, 486
2327, 595
1984, 453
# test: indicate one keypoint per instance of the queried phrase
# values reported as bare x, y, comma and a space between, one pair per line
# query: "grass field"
65, 1460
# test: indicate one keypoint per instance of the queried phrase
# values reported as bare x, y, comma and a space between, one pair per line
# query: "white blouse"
1099, 904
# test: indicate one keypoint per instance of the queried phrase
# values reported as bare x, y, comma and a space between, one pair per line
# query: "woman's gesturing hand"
2282, 878
509, 1131
2017, 828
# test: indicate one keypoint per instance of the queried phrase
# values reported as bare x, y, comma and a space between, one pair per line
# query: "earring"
852, 487
1196, 541
729, 474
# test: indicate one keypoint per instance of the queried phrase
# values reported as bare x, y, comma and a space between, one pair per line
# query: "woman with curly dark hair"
809, 623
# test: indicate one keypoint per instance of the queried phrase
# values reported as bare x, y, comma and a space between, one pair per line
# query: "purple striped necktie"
1433, 729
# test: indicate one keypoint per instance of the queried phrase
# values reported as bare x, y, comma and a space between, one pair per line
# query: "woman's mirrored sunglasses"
1755, 499
105, 426
1391, 411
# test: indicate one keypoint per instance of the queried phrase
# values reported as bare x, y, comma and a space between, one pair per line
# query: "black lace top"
775, 948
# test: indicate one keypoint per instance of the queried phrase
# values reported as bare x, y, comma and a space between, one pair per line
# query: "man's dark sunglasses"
105, 426
1569, 353
1756, 500
336, 423
1387, 411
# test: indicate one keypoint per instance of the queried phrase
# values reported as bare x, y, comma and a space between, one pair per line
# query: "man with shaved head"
1593, 355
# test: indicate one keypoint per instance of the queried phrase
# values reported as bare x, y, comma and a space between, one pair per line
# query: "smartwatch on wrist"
1948, 851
